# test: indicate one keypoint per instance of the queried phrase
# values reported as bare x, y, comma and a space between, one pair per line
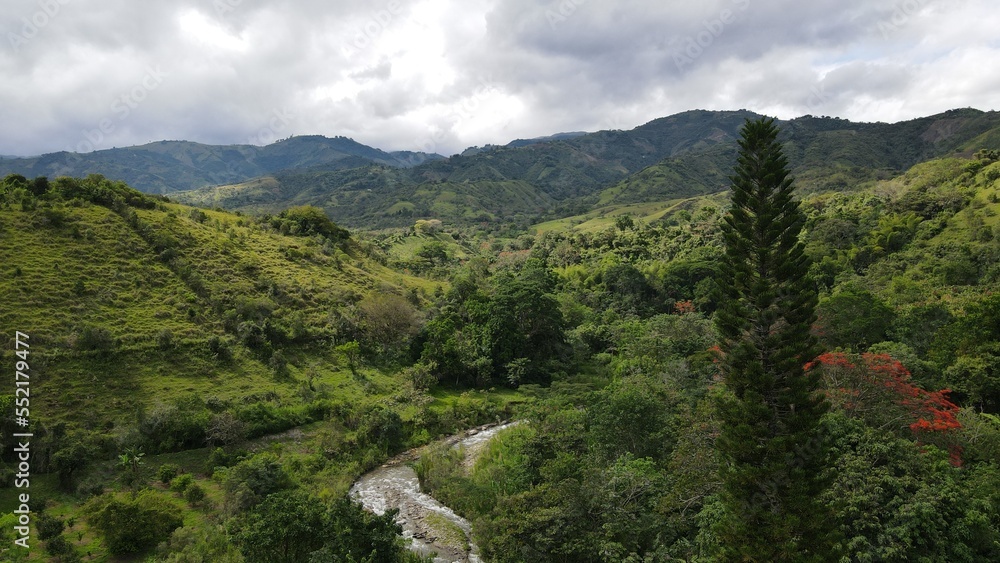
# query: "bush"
194, 494
218, 458
251, 480
167, 472
95, 338
220, 348
131, 525
382, 428
181, 483
61, 549
165, 340
48, 526
202, 543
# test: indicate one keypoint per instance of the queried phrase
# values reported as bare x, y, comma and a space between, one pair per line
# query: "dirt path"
432, 526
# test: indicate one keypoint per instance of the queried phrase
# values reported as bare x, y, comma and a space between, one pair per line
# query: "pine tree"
770, 438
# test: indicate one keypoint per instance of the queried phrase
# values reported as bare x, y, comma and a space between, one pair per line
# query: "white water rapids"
395, 485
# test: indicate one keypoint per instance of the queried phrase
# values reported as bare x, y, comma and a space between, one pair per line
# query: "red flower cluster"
683, 307
882, 383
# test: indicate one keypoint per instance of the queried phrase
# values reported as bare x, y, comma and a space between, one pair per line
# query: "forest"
207, 384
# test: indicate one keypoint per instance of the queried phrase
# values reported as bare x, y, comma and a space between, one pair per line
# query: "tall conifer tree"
770, 437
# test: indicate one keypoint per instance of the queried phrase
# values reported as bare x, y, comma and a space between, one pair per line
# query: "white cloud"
446, 74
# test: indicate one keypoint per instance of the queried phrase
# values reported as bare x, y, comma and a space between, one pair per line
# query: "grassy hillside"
139, 274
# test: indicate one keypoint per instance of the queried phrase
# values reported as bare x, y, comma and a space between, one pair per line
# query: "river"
430, 526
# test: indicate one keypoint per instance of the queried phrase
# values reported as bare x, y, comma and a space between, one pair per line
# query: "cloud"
445, 74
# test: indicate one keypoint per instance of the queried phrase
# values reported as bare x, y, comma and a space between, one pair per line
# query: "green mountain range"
169, 166
683, 155
527, 180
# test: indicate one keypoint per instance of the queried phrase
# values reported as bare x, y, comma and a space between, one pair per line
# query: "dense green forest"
206, 385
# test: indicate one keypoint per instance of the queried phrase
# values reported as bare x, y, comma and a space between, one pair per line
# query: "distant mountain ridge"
683, 155
170, 166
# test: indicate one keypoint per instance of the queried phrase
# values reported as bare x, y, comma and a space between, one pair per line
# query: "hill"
684, 155
169, 166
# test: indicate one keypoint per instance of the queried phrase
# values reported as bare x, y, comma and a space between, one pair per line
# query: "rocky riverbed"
431, 526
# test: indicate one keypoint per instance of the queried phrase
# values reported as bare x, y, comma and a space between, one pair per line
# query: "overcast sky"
442, 75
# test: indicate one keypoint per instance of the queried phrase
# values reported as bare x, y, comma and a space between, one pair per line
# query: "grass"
447, 532
603, 218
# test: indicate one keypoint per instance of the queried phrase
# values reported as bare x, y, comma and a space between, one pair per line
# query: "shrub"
181, 483
251, 480
48, 526
220, 348
167, 472
95, 338
132, 524
165, 340
194, 494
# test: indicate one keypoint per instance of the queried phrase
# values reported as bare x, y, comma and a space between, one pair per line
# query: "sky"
443, 75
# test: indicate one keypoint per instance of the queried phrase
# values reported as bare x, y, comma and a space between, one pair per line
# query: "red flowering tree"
684, 307
877, 389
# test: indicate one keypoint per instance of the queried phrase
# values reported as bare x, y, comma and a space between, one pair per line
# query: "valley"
223, 343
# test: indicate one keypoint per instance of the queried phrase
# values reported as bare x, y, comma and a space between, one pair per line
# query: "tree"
295, 526
387, 320
770, 443
69, 459
129, 524
350, 352
855, 319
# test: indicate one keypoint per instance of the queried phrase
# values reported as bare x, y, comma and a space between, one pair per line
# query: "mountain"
684, 155
556, 137
169, 166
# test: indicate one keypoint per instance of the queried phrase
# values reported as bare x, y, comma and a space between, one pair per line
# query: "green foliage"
382, 428
187, 315
48, 526
515, 330
250, 481
194, 494
167, 472
350, 352
95, 338
293, 526
180, 483
306, 220
72, 456
201, 544
632, 417
387, 321
181, 424
853, 320
131, 524
897, 504
769, 436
